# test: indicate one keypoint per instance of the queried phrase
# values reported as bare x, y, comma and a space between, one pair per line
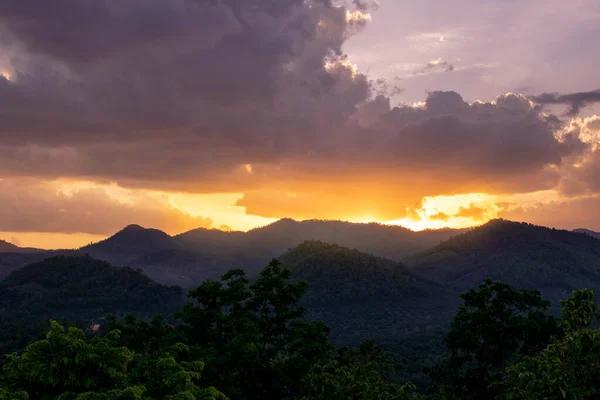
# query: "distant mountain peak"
133, 228
132, 241
6, 246
588, 232
518, 253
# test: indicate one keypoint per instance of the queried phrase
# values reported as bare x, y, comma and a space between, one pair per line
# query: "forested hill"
523, 255
340, 275
189, 258
354, 291
76, 289
361, 295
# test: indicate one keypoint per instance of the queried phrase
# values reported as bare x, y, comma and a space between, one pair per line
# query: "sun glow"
467, 210
6, 75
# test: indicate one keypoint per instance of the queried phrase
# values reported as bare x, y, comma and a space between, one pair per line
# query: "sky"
231, 114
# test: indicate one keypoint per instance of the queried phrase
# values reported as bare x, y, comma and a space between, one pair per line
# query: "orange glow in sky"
183, 211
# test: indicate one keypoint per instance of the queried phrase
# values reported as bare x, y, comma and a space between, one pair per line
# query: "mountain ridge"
78, 290
588, 232
523, 255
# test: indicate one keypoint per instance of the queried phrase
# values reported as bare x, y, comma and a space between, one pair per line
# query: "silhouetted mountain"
359, 294
12, 261
588, 232
189, 258
6, 247
76, 289
392, 242
131, 243
523, 255
188, 268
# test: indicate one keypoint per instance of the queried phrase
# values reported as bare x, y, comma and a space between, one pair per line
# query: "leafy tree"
366, 374
580, 311
495, 327
252, 335
66, 362
569, 368
68, 366
144, 336
6, 394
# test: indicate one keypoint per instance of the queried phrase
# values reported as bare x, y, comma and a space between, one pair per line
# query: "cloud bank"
256, 97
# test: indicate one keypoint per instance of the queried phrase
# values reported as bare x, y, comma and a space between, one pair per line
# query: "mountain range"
6, 247
191, 257
365, 280
77, 290
523, 255
500, 249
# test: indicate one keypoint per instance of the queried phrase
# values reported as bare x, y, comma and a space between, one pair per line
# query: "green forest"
242, 338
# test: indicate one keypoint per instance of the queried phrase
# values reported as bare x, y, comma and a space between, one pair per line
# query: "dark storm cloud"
508, 141
81, 32
133, 69
238, 95
574, 100
443, 146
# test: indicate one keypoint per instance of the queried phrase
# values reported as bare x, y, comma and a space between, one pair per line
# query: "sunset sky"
177, 114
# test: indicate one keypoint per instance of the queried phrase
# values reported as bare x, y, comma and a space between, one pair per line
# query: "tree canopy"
238, 338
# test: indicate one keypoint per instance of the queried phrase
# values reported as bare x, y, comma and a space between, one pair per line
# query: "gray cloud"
571, 214
132, 69
438, 65
574, 100
507, 141
366, 5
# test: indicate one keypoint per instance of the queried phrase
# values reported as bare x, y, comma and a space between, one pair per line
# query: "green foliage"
79, 290
579, 311
6, 394
496, 327
569, 368
362, 296
68, 366
524, 255
130, 393
253, 335
65, 361
254, 338
366, 374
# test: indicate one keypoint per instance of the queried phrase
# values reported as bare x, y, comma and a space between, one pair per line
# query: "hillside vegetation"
524, 255
191, 257
360, 295
78, 290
